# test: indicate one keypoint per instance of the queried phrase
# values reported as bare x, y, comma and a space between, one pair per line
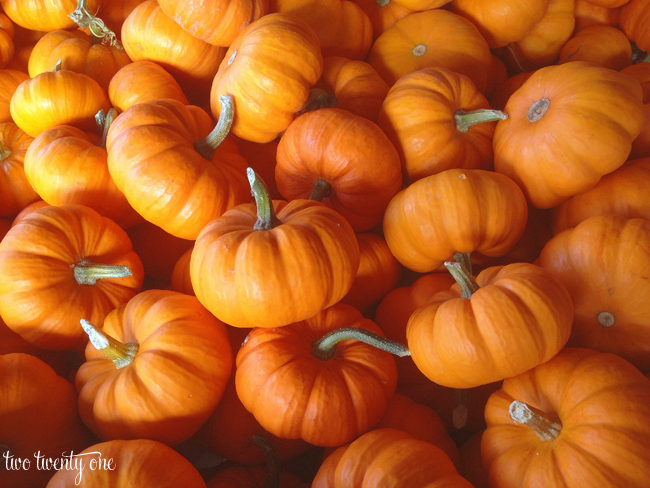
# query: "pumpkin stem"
104, 121
465, 280
208, 145
465, 259
464, 120
322, 189
323, 348
318, 98
57, 66
87, 273
382, 3
5, 152
266, 218
638, 54
83, 18
461, 408
272, 461
121, 354
538, 109
544, 426
606, 319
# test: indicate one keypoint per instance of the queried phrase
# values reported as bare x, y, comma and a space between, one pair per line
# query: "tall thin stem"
465, 280
272, 462
266, 218
208, 145
324, 349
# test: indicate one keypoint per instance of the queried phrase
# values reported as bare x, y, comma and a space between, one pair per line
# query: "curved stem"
323, 348
87, 273
104, 121
322, 189
266, 218
121, 354
272, 461
208, 145
83, 18
319, 98
464, 120
544, 426
465, 260
465, 280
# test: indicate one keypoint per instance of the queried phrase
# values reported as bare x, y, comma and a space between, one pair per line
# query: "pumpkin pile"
326, 243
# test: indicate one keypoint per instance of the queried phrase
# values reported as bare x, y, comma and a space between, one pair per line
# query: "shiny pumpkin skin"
418, 117
176, 379
602, 403
283, 53
9, 81
306, 264
39, 415
39, 297
135, 463
294, 394
152, 160
44, 15
454, 211
593, 114
349, 152
520, 317
603, 262
15, 191
388, 458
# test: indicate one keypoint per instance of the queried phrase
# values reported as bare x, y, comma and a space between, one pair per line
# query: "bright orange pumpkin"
9, 81
600, 44
15, 191
44, 15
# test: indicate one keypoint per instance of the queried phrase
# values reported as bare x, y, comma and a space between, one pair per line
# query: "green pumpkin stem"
104, 121
319, 98
57, 66
324, 349
83, 18
322, 189
465, 259
121, 354
272, 461
465, 280
266, 218
208, 145
546, 428
464, 120
87, 273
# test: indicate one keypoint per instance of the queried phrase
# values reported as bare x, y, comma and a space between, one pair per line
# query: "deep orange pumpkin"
634, 21
15, 191
9, 81
44, 15
600, 44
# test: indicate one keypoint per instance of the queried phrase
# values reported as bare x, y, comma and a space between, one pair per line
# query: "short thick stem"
319, 98
464, 278
322, 189
544, 426
84, 18
266, 218
606, 319
538, 109
87, 273
464, 120
121, 354
104, 121
208, 145
324, 349
5, 152
272, 461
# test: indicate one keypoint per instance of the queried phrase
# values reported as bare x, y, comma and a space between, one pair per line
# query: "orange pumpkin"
7, 48
300, 254
581, 419
58, 97
438, 120
383, 14
122, 463
342, 160
604, 265
455, 211
59, 265
142, 81
567, 126
156, 369
391, 459
434, 38
39, 417
77, 53
15, 191
217, 23
44, 15
162, 156
148, 34
586, 14
509, 320
599, 44
180, 279
333, 396
353, 37
9, 81
283, 53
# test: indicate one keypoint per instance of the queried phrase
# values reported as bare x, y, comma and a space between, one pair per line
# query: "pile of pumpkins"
326, 243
